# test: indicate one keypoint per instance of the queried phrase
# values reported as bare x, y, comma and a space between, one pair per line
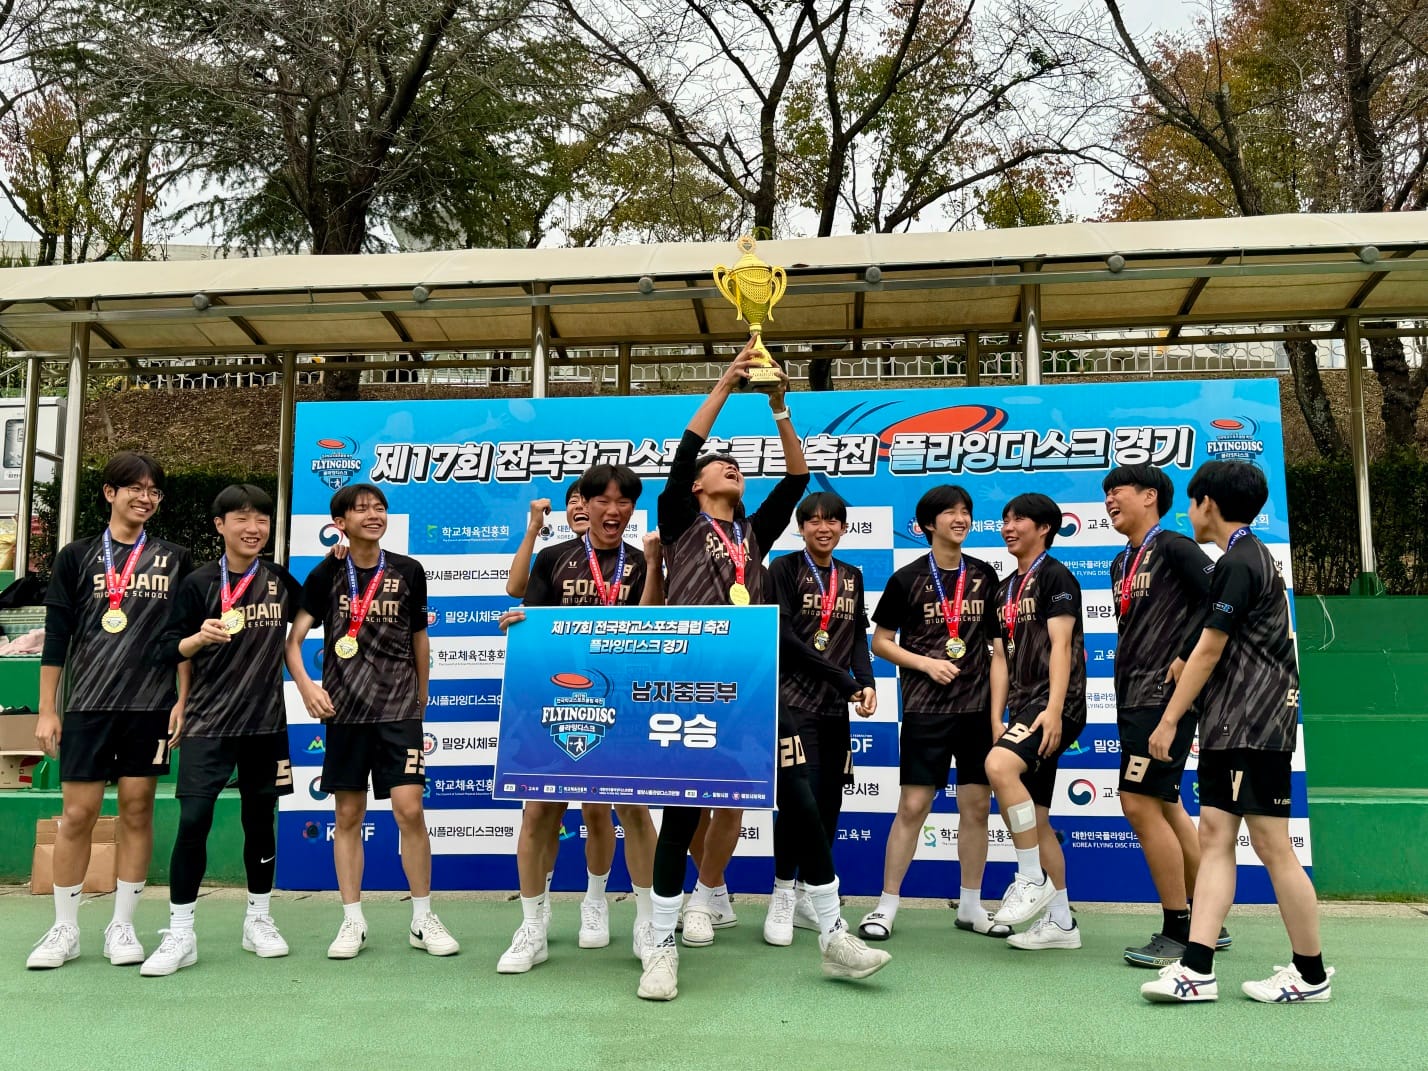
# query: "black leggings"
190, 856
826, 784
797, 811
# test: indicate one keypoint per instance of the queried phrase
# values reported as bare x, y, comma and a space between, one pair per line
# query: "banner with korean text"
460, 476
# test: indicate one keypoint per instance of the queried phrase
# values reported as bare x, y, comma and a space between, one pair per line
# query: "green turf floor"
948, 999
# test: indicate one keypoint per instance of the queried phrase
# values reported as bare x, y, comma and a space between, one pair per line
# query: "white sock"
702, 895
595, 885
533, 910
824, 899
719, 899
1060, 909
181, 917
888, 904
259, 904
126, 898
664, 915
783, 883
354, 912
969, 904
421, 907
1028, 864
67, 899
644, 910
548, 879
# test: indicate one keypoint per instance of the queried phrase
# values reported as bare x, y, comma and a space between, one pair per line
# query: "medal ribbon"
951, 614
227, 597
738, 553
1238, 534
115, 584
609, 594
1129, 579
826, 596
358, 608
1013, 605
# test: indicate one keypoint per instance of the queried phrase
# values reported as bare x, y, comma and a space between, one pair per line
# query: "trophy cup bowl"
754, 287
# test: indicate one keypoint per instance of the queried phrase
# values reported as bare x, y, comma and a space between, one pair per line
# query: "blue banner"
460, 475
655, 706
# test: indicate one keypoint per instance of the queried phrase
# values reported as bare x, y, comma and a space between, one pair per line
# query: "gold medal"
114, 620
820, 640
739, 595
345, 647
232, 621
956, 648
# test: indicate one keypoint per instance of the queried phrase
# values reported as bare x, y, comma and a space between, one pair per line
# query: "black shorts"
827, 744
1142, 775
929, 743
1246, 781
389, 753
791, 756
1040, 775
108, 745
206, 765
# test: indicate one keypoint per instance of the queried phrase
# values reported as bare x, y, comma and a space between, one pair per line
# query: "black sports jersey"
112, 671
698, 569
810, 680
379, 683
1052, 591
910, 607
1252, 698
1167, 601
237, 687
561, 575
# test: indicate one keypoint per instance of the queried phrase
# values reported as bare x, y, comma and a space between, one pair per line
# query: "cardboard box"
101, 877
16, 767
17, 732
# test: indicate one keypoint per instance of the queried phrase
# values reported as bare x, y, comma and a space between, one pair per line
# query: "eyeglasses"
145, 492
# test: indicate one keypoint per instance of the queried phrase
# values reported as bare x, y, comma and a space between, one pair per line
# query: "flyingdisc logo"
337, 467
576, 716
1081, 792
1237, 439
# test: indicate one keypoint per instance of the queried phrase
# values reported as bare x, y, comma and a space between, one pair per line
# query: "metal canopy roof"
1245, 270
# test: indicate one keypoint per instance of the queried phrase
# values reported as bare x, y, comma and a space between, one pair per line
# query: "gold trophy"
754, 288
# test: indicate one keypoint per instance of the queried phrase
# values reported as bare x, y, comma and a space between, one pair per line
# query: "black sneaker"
1160, 951
1224, 941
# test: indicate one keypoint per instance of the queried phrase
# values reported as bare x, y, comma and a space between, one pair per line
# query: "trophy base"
764, 379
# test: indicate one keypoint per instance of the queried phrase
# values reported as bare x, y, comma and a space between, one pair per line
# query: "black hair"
1142, 478
348, 497
1039, 509
826, 504
129, 467
1238, 488
572, 490
938, 500
712, 456
242, 496
597, 479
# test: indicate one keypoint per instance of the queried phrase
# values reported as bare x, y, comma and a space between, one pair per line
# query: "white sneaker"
844, 956
429, 934
698, 927
351, 936
804, 917
778, 924
527, 949
260, 935
660, 979
1177, 984
177, 950
121, 944
643, 941
1024, 900
594, 923
1287, 986
1046, 933
58, 946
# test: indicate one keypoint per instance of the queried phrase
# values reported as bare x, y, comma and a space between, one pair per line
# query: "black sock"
1199, 958
1311, 968
1175, 924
